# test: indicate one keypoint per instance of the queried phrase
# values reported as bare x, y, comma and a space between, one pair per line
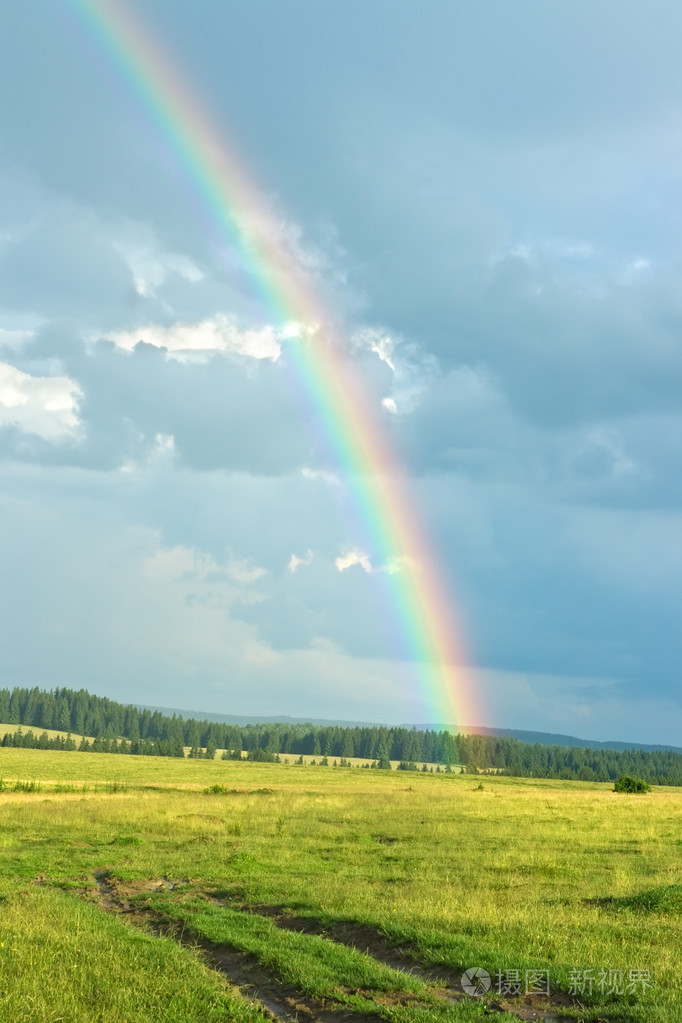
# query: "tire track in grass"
431, 991
373, 942
242, 970
352, 934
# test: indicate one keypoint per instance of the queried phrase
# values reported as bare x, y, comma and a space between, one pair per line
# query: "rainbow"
422, 606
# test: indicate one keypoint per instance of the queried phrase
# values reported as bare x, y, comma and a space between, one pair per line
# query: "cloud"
276, 231
218, 334
243, 570
378, 341
230, 411
330, 478
396, 565
412, 367
602, 455
149, 264
595, 707
353, 557
295, 562
510, 289
61, 260
45, 406
162, 452
356, 556
14, 338
186, 564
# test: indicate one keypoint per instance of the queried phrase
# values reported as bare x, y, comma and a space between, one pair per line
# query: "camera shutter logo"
475, 981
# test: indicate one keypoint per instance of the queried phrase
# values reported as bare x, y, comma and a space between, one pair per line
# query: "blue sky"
487, 198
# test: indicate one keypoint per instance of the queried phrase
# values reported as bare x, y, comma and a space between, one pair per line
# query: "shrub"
627, 784
27, 786
263, 756
116, 786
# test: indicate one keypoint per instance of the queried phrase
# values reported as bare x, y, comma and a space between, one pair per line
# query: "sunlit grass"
62, 959
521, 874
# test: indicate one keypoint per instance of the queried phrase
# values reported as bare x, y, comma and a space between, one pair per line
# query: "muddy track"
282, 1002
359, 936
241, 970
446, 983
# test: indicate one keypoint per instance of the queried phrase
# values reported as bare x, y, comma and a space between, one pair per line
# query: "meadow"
147, 888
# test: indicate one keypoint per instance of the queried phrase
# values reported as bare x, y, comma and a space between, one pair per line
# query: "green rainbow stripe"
423, 607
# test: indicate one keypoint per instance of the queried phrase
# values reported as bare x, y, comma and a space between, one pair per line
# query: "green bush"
627, 784
263, 756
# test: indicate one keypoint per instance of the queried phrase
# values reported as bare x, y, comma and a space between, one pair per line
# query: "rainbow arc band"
422, 606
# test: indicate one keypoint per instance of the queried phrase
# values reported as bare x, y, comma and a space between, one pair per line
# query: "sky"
486, 198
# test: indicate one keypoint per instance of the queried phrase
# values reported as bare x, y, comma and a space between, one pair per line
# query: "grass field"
52, 733
289, 758
293, 758
132, 891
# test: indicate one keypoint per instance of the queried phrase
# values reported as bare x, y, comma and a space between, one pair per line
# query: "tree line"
481, 753
82, 713
119, 728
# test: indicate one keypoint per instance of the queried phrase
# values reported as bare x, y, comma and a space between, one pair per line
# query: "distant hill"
546, 738
127, 729
256, 719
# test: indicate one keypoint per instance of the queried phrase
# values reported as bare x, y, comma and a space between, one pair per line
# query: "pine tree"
384, 763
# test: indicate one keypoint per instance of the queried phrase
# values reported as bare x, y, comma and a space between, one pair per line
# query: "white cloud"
187, 564
295, 562
357, 557
216, 334
242, 570
141, 287
353, 557
170, 564
162, 452
164, 443
320, 474
14, 338
553, 248
413, 370
285, 237
149, 265
379, 342
397, 564
46, 406
635, 270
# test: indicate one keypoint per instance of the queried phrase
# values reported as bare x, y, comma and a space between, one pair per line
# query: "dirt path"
446, 984
284, 1003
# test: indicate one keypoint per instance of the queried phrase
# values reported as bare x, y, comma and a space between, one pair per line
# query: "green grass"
63, 959
20, 786
524, 874
665, 898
